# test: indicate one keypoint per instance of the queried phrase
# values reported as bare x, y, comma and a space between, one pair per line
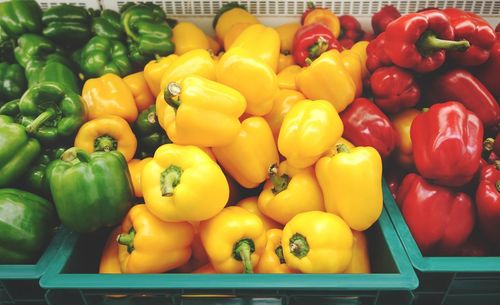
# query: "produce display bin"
447, 280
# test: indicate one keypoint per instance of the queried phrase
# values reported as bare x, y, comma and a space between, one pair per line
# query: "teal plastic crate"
447, 280
71, 279
19, 283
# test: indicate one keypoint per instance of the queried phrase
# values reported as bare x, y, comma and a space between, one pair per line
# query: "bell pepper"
366, 125
272, 260
27, 221
206, 269
229, 15
52, 70
182, 183
418, 41
107, 24
140, 89
10, 108
107, 133
236, 68
317, 242
67, 25
487, 72
286, 33
196, 97
285, 61
439, 218
474, 29
199, 256
109, 94
360, 48
309, 129
286, 77
12, 82
382, 18
394, 89
144, 241
149, 133
187, 36
248, 157
50, 111
402, 123
110, 263
359, 205
233, 33
135, 167
32, 46
449, 86
102, 55
7, 49
18, 17
333, 150
251, 204
234, 239
488, 202
323, 16
290, 191
360, 262
311, 41
35, 179
350, 31
327, 79
213, 45
283, 102
449, 157
352, 64
376, 55
153, 72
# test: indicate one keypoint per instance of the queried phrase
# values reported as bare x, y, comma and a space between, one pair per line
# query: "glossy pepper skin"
144, 240
394, 89
110, 263
327, 79
286, 33
311, 41
12, 82
350, 31
80, 186
26, 223
135, 167
182, 183
447, 143
187, 36
360, 49
488, 201
140, 89
352, 64
366, 125
283, 102
382, 18
487, 72
234, 239
67, 25
308, 130
194, 98
360, 262
290, 191
359, 205
272, 260
234, 33
33, 46
228, 16
107, 24
402, 123
286, 77
52, 70
323, 16
102, 55
418, 41
18, 17
474, 29
36, 180
376, 55
251, 204
153, 72
439, 219
317, 242
149, 133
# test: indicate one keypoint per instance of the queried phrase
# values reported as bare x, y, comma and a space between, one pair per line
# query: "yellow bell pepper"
248, 157
250, 204
207, 269
282, 104
272, 260
153, 72
286, 33
200, 112
285, 61
187, 36
109, 94
290, 191
197, 62
333, 150
287, 77
326, 17
360, 262
352, 63
402, 123
230, 18
213, 45
182, 183
309, 129
145, 240
238, 70
360, 49
327, 79
234, 239
262, 43
135, 167
359, 204
107, 133
140, 89
199, 256
110, 263
233, 33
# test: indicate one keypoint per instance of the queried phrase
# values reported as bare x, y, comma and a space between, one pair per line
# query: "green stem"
171, 94
127, 239
497, 184
429, 43
169, 179
298, 245
318, 48
105, 143
311, 5
151, 117
75, 153
280, 183
279, 254
242, 251
342, 148
40, 120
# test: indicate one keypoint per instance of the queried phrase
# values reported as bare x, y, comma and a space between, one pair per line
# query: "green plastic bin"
19, 283
71, 279
447, 280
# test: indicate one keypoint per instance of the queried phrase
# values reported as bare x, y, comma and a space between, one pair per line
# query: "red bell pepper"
488, 202
393, 176
366, 125
418, 41
496, 145
474, 246
487, 73
439, 219
394, 89
350, 31
382, 18
311, 41
376, 56
447, 142
461, 86
474, 29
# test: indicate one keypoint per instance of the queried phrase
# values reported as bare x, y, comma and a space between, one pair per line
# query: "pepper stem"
151, 118
497, 184
280, 183
298, 245
105, 143
488, 145
171, 94
497, 164
169, 179
311, 5
318, 48
40, 120
428, 43
242, 251
279, 254
75, 153
127, 239
342, 148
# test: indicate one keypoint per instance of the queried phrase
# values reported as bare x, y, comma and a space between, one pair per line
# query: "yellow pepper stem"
298, 245
242, 251
342, 148
169, 179
280, 183
171, 94
127, 239
279, 254
40, 120
105, 143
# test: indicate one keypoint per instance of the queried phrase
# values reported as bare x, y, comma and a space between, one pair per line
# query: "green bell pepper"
102, 55
108, 25
10, 108
17, 150
12, 82
90, 191
51, 70
33, 46
7, 49
67, 25
50, 111
20, 16
26, 225
149, 133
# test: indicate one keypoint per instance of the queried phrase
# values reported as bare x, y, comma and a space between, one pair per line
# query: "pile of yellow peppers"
243, 118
